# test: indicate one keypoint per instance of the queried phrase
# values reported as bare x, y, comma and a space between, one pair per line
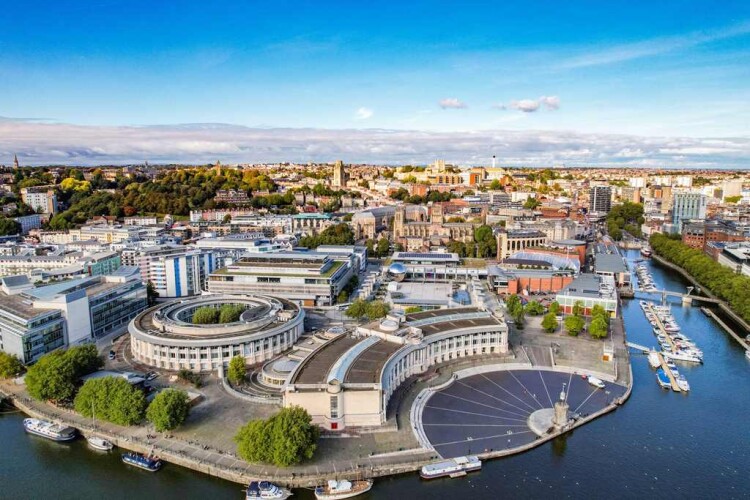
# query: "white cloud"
452, 103
364, 113
66, 144
551, 102
525, 105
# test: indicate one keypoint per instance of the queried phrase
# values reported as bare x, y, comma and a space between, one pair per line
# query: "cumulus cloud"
364, 113
452, 103
525, 105
66, 144
550, 103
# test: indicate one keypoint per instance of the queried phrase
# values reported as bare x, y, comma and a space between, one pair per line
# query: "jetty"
668, 372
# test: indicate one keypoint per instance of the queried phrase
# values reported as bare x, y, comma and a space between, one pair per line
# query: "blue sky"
648, 69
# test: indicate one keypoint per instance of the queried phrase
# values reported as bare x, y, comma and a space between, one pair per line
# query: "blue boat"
149, 463
663, 379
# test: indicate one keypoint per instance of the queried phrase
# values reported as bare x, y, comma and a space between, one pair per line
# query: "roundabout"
500, 411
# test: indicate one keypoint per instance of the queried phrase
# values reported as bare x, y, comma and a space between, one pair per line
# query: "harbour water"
694, 445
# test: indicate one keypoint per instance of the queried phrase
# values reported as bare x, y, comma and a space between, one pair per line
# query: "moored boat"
653, 359
682, 383
49, 430
646, 252
663, 379
453, 467
99, 443
342, 489
266, 490
149, 463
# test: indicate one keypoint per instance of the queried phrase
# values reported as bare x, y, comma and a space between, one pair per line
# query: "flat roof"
447, 326
367, 366
315, 368
440, 312
609, 263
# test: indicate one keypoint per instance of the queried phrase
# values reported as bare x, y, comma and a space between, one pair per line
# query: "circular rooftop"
174, 320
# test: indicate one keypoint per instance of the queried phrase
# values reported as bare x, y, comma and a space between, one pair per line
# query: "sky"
601, 83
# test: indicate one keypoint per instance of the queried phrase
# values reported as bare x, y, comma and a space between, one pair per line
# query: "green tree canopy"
236, 371
554, 308
55, 375
206, 315
285, 439
534, 308
598, 328
574, 325
168, 410
549, 322
9, 227
112, 399
10, 365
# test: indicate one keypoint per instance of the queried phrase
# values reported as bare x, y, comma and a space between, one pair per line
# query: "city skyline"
664, 85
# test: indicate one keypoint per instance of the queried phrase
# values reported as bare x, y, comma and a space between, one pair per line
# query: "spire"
15, 161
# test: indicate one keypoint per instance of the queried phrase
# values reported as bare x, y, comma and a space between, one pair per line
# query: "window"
334, 407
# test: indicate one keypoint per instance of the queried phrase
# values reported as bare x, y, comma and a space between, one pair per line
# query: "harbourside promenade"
205, 445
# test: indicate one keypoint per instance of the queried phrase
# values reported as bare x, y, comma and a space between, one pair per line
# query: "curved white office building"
165, 336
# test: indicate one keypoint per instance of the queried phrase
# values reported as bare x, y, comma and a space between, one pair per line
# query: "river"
694, 445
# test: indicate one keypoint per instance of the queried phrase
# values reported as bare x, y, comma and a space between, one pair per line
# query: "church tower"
15, 161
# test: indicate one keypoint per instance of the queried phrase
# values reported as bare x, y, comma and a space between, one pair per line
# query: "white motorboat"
334, 490
683, 356
99, 443
682, 383
653, 359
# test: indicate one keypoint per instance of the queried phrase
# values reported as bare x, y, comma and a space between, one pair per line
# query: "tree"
112, 399
382, 247
574, 325
376, 309
512, 303
236, 371
732, 199
151, 293
169, 409
554, 308
229, 313
285, 439
598, 328
10, 365
578, 308
227, 219
531, 203
206, 315
534, 308
9, 227
549, 322
54, 376
357, 309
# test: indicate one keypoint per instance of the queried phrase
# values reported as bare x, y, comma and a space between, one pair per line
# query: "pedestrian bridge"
648, 294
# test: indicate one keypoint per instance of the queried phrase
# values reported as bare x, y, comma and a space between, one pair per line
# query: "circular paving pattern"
490, 411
